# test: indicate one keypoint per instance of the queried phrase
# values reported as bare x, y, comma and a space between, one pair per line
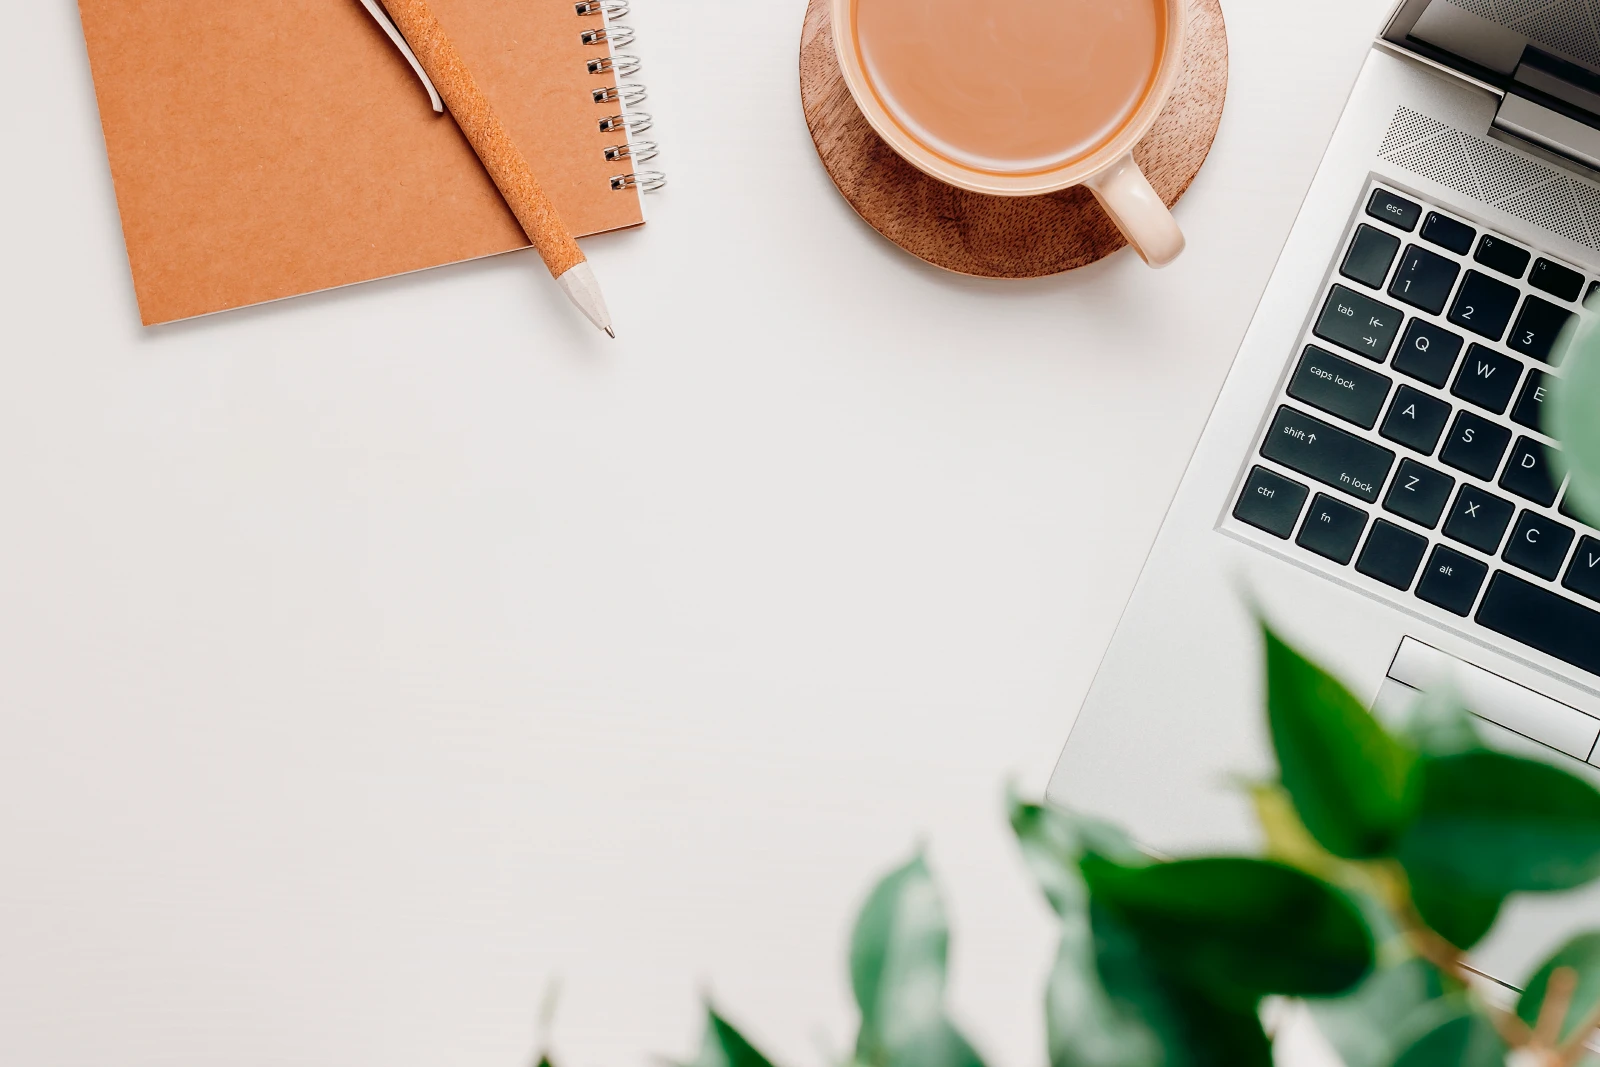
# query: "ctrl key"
1270, 502
1451, 580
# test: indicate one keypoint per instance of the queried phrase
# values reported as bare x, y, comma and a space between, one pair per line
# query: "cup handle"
1125, 194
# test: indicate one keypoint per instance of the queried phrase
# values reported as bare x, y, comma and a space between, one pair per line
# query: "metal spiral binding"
638, 151
638, 122
620, 65
646, 181
620, 36
628, 94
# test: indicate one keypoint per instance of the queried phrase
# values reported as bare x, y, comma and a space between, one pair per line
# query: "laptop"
1374, 476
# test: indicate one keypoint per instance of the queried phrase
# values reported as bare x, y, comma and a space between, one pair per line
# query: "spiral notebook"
262, 150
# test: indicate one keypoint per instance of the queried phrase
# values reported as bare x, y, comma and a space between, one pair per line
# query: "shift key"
1328, 454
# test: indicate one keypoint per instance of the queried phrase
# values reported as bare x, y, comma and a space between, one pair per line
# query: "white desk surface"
368, 659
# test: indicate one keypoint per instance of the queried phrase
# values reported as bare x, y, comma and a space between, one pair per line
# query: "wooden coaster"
1002, 236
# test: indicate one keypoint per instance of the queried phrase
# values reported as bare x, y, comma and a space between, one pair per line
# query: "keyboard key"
1371, 253
1332, 528
1529, 409
1478, 518
1594, 287
1428, 353
1328, 454
1537, 329
1475, 445
1424, 279
1542, 620
1538, 545
1583, 576
1483, 305
1339, 387
1451, 580
1271, 502
1501, 255
1416, 420
1392, 554
1395, 210
1556, 279
1573, 510
1358, 323
1529, 473
1419, 493
1487, 379
1446, 232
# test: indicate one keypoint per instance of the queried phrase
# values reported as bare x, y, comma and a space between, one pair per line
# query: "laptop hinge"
1554, 104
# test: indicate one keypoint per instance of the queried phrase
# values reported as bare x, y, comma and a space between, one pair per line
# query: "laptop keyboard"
1407, 445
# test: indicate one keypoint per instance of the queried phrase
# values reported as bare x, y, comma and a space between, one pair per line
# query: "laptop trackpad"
1419, 668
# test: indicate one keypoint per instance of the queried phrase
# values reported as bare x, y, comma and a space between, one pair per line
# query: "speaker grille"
1485, 170
1569, 26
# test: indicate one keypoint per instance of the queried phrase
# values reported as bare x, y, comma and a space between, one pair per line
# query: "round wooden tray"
1000, 236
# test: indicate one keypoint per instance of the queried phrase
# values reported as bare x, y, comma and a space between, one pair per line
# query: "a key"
1497, 253
1555, 279
1475, 445
1537, 329
1361, 324
1271, 502
1339, 387
1424, 279
1416, 420
1394, 209
1542, 620
1392, 554
1419, 493
1447, 232
1583, 577
1487, 378
1529, 409
1328, 454
1483, 305
1332, 528
1529, 473
1428, 352
1538, 545
1451, 580
1478, 518
1370, 256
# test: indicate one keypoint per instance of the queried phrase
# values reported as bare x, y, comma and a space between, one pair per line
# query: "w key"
1487, 378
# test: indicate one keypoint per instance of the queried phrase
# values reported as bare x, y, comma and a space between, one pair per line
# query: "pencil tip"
611, 333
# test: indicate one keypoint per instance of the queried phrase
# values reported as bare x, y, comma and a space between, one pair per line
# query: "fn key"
1270, 502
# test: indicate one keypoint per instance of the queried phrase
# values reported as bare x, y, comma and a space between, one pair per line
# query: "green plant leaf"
1054, 841
1456, 915
1575, 417
1438, 724
1105, 1005
1448, 1033
1351, 782
897, 967
1369, 1026
1239, 929
724, 1046
1191, 1028
1582, 954
1490, 824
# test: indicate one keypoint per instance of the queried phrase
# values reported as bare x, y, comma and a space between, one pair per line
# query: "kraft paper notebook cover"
266, 149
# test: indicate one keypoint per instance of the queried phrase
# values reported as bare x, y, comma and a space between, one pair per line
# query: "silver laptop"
1374, 475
